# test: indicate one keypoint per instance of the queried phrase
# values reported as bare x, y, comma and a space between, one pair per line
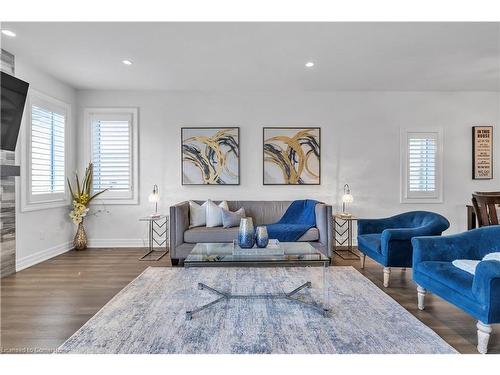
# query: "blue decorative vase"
246, 235
261, 236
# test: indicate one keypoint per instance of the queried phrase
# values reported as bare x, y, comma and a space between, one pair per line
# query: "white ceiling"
264, 56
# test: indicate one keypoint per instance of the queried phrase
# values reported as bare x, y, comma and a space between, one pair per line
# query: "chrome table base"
226, 296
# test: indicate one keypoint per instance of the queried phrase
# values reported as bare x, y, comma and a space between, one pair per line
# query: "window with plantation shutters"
111, 155
113, 151
46, 151
422, 166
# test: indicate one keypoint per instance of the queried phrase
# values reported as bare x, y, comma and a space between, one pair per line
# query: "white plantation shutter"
422, 163
47, 150
422, 170
112, 154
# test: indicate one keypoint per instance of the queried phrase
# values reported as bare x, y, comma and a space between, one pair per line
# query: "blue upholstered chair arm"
406, 225
486, 284
442, 248
406, 233
369, 226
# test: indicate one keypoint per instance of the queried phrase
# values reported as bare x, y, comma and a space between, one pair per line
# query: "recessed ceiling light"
309, 64
127, 62
8, 32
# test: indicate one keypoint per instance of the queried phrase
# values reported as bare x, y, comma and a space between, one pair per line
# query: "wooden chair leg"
387, 276
483, 336
421, 292
362, 258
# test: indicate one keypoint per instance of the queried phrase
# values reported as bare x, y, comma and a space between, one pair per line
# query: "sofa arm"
486, 284
443, 248
324, 223
179, 223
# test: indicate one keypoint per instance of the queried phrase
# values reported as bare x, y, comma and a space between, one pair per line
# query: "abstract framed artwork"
292, 156
210, 156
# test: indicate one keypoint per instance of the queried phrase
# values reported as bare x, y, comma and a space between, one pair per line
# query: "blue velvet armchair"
478, 294
388, 241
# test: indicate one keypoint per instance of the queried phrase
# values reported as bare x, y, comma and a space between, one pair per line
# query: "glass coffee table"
288, 254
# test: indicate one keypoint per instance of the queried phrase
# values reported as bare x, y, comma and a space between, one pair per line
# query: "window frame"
30, 201
406, 196
90, 113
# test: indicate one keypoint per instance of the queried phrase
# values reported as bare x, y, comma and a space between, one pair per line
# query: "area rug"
148, 315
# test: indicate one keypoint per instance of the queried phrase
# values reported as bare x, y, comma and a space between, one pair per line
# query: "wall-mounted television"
13, 92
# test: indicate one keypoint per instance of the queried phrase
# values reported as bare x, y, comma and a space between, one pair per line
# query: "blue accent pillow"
232, 219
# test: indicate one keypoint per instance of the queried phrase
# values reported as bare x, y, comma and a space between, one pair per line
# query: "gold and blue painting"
210, 156
292, 156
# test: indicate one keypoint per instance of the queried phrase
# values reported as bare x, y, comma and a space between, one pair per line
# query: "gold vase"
80, 240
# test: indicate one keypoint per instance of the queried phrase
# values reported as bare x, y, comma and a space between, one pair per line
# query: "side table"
157, 235
342, 234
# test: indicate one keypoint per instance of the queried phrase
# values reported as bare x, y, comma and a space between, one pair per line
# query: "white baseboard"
117, 242
43, 255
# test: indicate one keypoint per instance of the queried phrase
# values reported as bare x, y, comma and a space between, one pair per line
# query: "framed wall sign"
292, 156
210, 156
482, 152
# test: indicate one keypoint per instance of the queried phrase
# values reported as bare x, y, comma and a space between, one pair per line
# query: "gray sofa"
183, 238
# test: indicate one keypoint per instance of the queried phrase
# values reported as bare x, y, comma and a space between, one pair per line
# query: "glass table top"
297, 253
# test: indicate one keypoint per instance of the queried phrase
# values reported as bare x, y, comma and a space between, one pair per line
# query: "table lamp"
154, 197
346, 199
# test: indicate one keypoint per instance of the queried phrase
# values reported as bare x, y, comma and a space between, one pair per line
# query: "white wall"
360, 146
44, 233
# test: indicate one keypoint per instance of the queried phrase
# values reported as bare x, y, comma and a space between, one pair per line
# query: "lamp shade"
154, 197
347, 198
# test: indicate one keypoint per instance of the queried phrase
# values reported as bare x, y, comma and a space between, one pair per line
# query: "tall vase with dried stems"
80, 240
82, 196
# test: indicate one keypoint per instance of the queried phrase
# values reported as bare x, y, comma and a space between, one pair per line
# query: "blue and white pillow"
469, 266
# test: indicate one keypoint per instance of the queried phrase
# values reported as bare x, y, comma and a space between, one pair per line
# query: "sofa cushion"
232, 219
215, 234
218, 234
197, 214
214, 213
370, 241
447, 274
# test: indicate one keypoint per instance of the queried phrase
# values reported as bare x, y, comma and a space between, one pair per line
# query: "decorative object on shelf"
157, 235
261, 236
246, 234
154, 197
273, 244
292, 156
347, 198
82, 197
482, 152
342, 236
210, 156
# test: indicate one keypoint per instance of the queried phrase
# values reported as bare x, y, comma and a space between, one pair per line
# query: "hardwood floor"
44, 305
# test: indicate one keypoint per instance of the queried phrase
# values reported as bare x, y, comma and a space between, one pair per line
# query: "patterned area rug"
148, 315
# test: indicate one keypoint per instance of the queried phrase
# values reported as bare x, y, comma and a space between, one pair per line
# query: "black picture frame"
208, 128
290, 128
474, 145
